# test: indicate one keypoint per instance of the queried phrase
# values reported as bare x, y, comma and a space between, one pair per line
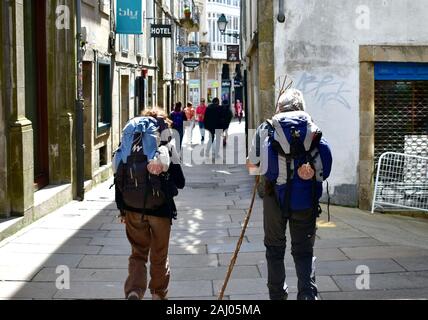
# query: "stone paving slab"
197, 219
57, 241
230, 248
187, 225
109, 242
84, 275
18, 273
383, 252
104, 262
349, 267
387, 281
242, 286
49, 248
126, 249
112, 226
347, 243
200, 234
256, 297
413, 263
249, 231
39, 259
204, 241
329, 254
186, 261
401, 294
290, 271
198, 298
49, 236
324, 284
110, 213
27, 290
214, 273
92, 290
244, 259
329, 233
207, 202
183, 289
241, 218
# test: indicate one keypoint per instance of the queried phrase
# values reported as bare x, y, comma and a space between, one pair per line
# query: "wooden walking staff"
241, 238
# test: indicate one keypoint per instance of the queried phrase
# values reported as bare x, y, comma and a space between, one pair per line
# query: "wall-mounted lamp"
222, 25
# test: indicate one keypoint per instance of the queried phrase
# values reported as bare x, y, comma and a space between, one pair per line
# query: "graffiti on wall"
325, 89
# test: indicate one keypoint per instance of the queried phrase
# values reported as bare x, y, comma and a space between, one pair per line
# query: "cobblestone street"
87, 238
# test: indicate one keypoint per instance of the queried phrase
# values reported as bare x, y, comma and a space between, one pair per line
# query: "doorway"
124, 100
36, 86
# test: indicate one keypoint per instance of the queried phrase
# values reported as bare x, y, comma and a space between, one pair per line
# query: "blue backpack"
294, 141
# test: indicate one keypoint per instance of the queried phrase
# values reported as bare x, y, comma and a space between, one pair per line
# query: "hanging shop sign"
161, 31
191, 62
238, 83
188, 49
226, 83
129, 18
194, 84
233, 53
213, 84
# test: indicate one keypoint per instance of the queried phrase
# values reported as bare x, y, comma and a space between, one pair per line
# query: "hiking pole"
241, 238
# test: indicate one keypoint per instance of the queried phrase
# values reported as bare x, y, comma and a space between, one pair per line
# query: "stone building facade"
38, 89
332, 52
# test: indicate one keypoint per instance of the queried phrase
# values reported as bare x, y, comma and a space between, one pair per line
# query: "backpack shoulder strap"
270, 127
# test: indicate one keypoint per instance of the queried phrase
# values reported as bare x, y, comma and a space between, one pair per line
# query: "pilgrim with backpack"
291, 153
147, 178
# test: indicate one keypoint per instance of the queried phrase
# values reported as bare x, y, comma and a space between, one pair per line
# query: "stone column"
220, 73
160, 57
4, 201
266, 65
266, 76
232, 74
61, 89
20, 167
204, 80
367, 134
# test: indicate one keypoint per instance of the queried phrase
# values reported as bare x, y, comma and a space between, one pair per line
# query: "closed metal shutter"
401, 116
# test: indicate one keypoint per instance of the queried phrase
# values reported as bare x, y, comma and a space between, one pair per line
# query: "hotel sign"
161, 31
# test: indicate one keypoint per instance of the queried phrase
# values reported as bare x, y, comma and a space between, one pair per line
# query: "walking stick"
241, 238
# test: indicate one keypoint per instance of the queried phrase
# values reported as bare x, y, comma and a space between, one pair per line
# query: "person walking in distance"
238, 110
226, 118
190, 121
213, 123
178, 117
200, 115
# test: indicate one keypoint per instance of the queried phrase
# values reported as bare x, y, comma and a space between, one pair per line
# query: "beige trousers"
148, 235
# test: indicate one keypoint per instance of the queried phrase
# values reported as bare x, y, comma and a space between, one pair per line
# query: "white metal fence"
401, 183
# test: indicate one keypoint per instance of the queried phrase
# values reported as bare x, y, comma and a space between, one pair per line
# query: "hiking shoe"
158, 297
133, 296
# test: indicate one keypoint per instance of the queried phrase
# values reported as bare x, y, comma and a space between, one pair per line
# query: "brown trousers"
148, 235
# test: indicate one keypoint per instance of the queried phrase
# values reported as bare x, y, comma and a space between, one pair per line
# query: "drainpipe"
281, 12
80, 143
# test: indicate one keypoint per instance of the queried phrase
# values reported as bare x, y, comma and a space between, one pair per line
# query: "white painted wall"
214, 8
318, 46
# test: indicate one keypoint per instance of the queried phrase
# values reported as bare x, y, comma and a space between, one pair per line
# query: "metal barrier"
401, 182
